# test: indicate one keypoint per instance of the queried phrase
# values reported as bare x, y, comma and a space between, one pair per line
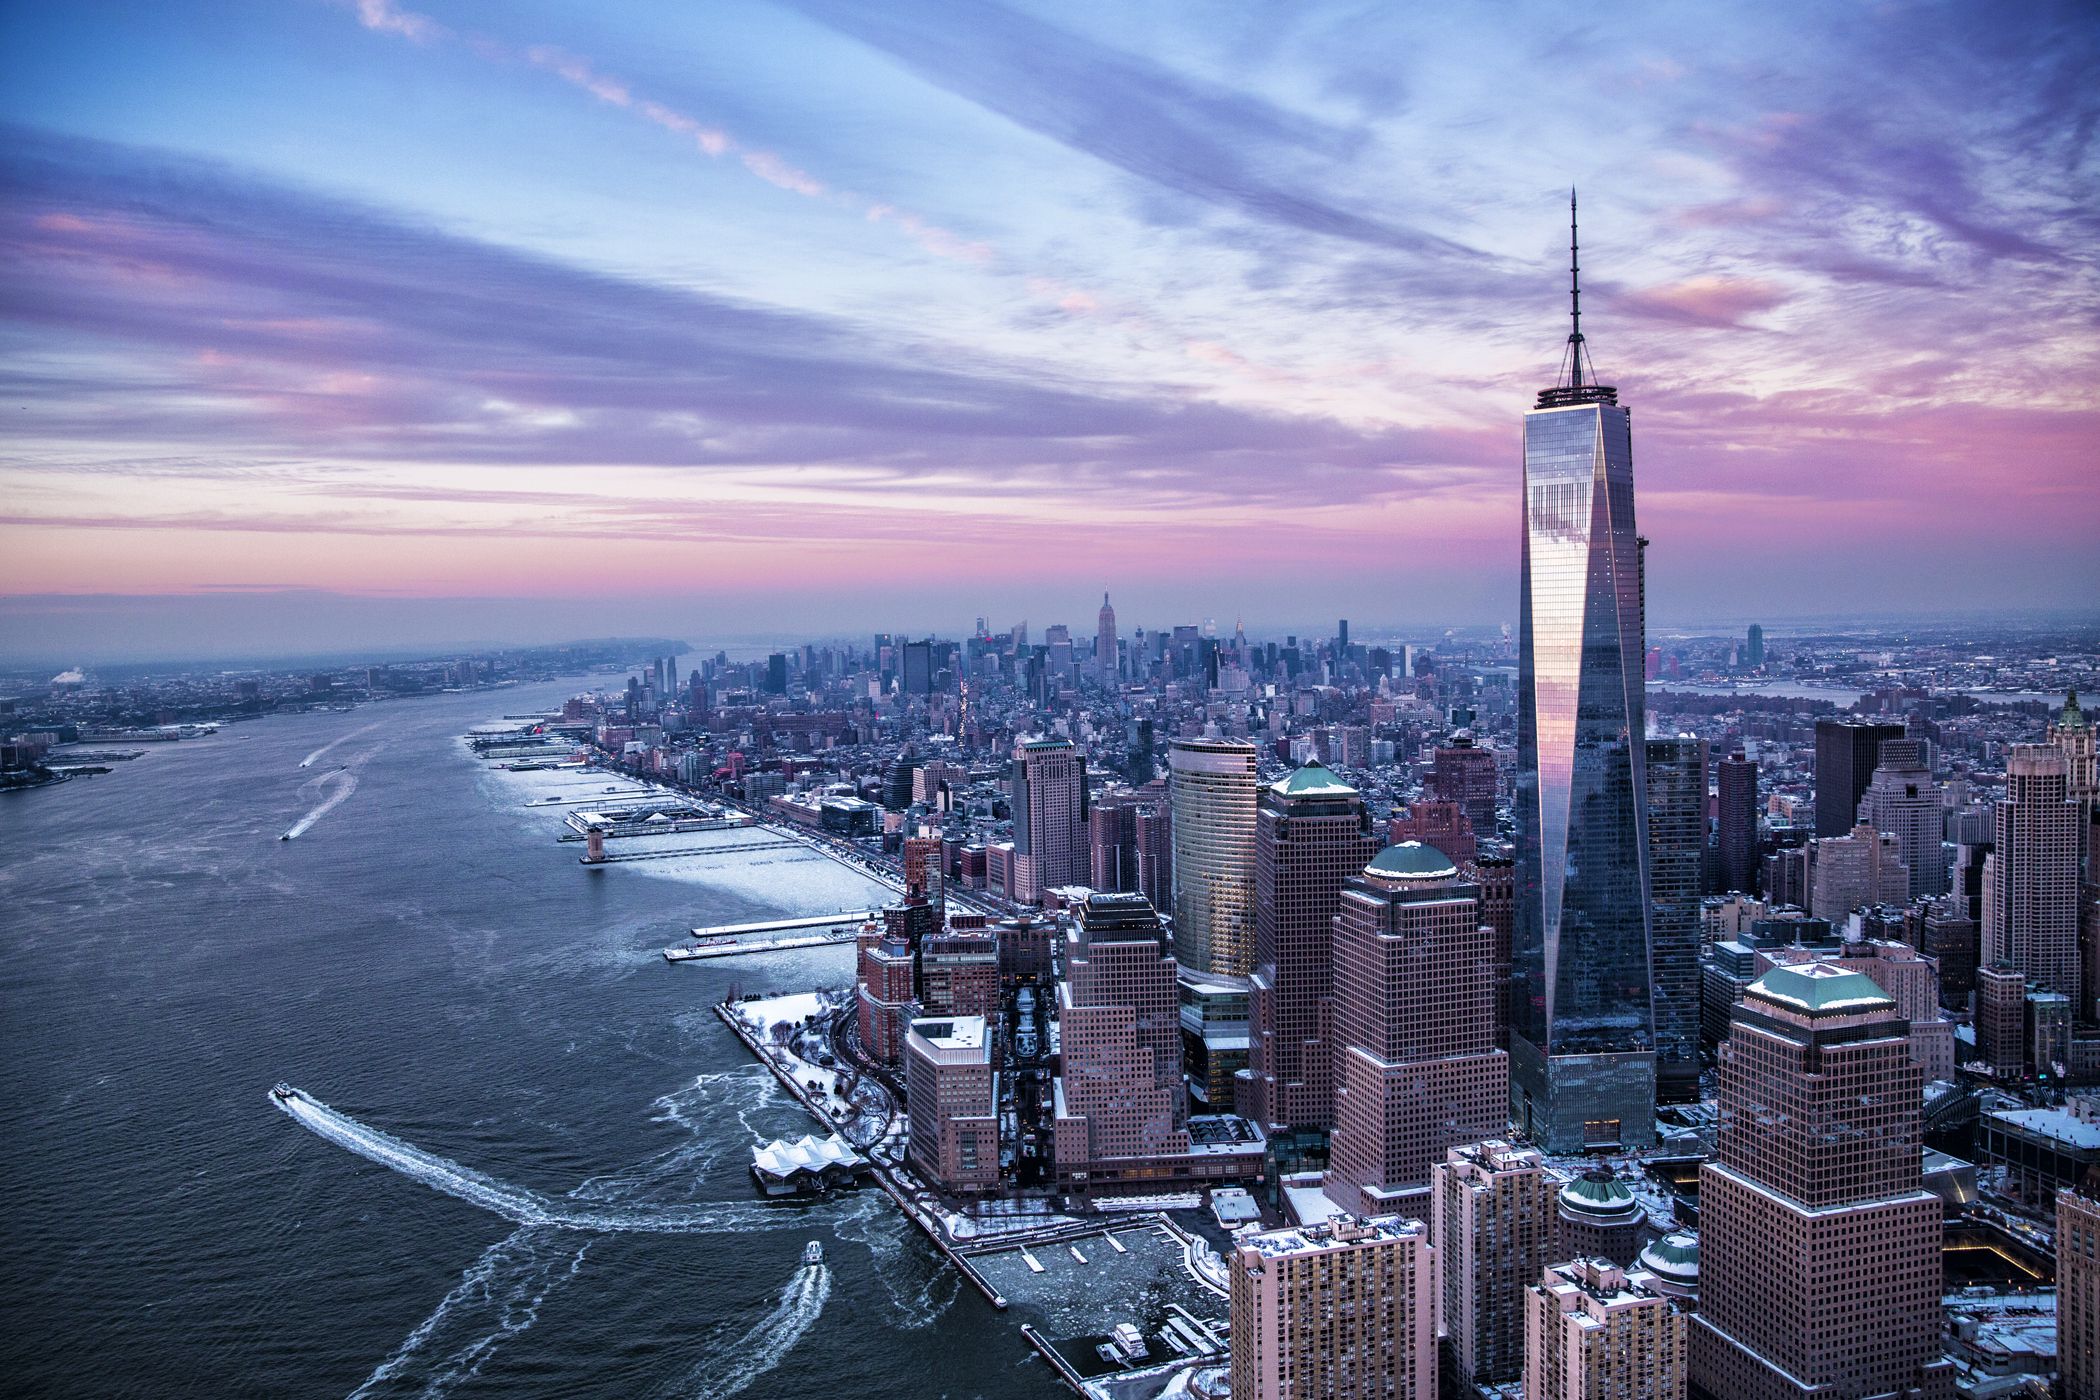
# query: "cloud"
1226, 148
1711, 300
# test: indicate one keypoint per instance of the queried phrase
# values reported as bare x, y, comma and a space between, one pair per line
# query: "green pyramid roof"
1312, 779
1411, 860
1822, 987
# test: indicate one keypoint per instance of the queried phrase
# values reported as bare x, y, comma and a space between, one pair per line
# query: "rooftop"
1411, 860
951, 1032
1340, 1232
1820, 988
1312, 779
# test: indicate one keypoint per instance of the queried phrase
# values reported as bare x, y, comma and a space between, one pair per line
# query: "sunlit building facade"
1214, 792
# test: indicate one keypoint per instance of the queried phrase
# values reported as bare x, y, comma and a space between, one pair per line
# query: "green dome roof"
1820, 987
1312, 779
1599, 1197
1675, 1254
1411, 860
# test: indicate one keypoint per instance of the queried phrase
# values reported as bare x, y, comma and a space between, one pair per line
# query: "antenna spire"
1574, 294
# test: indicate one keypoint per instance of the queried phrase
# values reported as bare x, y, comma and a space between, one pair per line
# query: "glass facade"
1213, 787
1581, 996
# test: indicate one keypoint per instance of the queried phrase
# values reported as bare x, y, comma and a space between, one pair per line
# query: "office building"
1848, 749
1595, 1331
2078, 1290
1819, 1249
952, 1098
1312, 832
1214, 794
918, 668
2073, 736
1496, 878
1676, 857
1119, 1100
1904, 802
1111, 840
1599, 1218
1754, 647
1462, 772
1855, 871
1155, 854
959, 973
1416, 1066
1582, 1039
1344, 1310
1493, 1223
1437, 823
1736, 793
2030, 878
1050, 816
884, 991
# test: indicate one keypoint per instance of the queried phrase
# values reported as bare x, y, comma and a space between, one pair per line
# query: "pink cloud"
1709, 300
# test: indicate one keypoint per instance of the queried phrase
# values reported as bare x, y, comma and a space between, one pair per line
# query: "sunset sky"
432, 322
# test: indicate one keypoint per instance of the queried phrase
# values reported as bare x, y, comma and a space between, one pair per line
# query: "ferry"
813, 1253
284, 1093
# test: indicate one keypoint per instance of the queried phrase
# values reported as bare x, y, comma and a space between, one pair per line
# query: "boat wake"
516, 1204
308, 761
769, 1340
339, 785
505, 1287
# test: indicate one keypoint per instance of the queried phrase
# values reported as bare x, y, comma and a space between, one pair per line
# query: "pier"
844, 916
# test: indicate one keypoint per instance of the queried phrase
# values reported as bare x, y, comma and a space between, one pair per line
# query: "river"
524, 1170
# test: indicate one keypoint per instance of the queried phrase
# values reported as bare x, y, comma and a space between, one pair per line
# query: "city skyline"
387, 320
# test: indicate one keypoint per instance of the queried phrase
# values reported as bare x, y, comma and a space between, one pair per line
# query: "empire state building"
1582, 1045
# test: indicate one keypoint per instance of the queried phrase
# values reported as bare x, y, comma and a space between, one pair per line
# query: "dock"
844, 916
761, 945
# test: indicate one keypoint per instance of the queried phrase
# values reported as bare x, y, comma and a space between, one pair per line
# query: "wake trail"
517, 1204
769, 1341
308, 761
341, 784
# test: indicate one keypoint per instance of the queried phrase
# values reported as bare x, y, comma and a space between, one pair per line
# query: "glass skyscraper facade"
1582, 991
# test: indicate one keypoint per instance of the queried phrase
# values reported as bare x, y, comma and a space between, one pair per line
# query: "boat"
286, 837
813, 1253
284, 1093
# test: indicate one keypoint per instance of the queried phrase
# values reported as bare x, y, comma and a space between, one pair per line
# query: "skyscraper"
1903, 800
1213, 787
1819, 1250
1582, 1041
1595, 1331
1311, 833
1754, 647
1416, 1065
1111, 838
1736, 780
1847, 751
1463, 772
2030, 878
1105, 667
2078, 1290
1676, 856
1049, 806
1493, 1223
1344, 1310
1119, 1100
952, 1091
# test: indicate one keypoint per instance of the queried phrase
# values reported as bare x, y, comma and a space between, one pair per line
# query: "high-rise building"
1111, 839
1819, 1250
1463, 772
1105, 665
1049, 806
1903, 800
1853, 871
959, 973
1594, 1331
1847, 751
1155, 855
1496, 877
2030, 878
1119, 1100
1416, 1065
884, 988
2078, 1290
1214, 794
1437, 823
1582, 1041
1736, 793
777, 673
1344, 1310
1312, 831
2075, 738
1754, 647
1492, 1221
2001, 1019
918, 668
1676, 857
952, 1095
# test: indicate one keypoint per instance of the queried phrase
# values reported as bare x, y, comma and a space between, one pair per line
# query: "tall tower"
1312, 831
1903, 800
1582, 1009
1736, 779
2030, 879
1120, 1096
1847, 752
1819, 1250
1416, 1067
1049, 805
1105, 668
1214, 792
1676, 856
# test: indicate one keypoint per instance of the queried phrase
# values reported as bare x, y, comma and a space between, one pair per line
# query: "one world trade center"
1582, 1044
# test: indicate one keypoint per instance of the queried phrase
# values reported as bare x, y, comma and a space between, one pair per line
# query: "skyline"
663, 319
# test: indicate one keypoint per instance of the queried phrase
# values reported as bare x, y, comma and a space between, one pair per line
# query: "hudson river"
561, 1204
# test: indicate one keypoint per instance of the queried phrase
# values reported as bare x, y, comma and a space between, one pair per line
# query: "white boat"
813, 1253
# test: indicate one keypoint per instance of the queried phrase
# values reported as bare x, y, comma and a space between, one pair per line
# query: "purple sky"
452, 322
